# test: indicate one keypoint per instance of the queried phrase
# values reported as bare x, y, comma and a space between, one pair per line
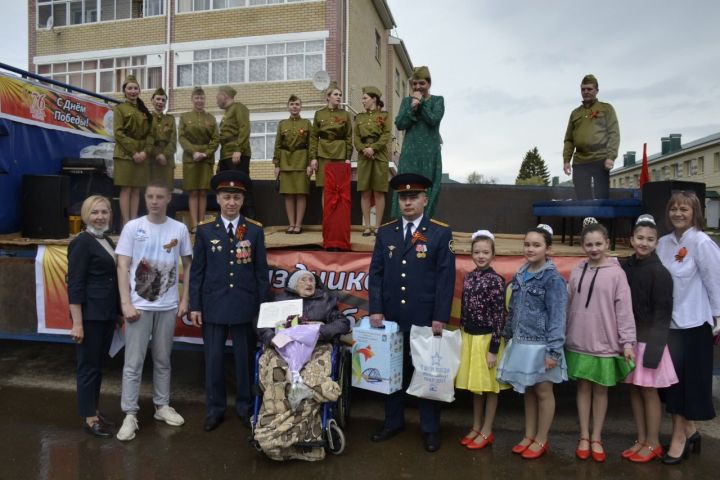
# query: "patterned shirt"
483, 305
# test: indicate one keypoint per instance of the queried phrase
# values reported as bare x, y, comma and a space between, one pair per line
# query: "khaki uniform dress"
291, 155
330, 139
164, 135
372, 130
132, 134
198, 132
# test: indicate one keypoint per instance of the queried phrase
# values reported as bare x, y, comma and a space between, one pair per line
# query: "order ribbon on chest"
243, 247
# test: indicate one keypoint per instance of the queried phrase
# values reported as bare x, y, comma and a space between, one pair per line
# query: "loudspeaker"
44, 206
655, 196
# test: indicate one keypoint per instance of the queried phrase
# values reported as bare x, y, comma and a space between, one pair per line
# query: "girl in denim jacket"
535, 328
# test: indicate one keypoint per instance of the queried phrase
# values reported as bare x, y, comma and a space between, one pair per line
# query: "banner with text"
29, 102
346, 275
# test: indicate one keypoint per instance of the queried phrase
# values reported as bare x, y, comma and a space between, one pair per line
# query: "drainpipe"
347, 50
167, 54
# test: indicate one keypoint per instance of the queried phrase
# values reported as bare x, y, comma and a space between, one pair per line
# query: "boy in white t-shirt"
149, 251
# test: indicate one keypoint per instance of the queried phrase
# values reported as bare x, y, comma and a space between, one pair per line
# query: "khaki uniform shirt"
235, 131
198, 132
331, 135
593, 134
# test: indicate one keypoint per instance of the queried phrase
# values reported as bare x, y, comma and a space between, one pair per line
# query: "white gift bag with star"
436, 359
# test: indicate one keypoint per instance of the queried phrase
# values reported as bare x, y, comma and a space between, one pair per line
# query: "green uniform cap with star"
372, 90
159, 91
228, 90
421, 73
589, 79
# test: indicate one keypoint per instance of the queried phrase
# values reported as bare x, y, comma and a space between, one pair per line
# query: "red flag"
644, 174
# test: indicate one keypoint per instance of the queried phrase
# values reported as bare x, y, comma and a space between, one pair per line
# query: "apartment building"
266, 49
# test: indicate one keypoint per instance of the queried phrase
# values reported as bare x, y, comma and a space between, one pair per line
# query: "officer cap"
421, 73
228, 90
372, 90
589, 79
231, 181
198, 91
411, 183
159, 91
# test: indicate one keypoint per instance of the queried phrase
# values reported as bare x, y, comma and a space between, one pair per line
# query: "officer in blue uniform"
228, 281
412, 280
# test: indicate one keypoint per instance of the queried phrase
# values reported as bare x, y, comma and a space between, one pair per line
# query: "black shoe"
695, 442
97, 429
431, 442
211, 423
105, 421
385, 433
669, 460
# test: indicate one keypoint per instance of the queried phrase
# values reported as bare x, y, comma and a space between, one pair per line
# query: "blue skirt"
523, 365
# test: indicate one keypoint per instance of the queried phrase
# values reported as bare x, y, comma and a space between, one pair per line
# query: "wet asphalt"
41, 436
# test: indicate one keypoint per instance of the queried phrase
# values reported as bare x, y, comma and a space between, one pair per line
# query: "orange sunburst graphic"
54, 269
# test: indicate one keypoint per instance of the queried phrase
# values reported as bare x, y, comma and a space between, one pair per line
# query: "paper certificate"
273, 312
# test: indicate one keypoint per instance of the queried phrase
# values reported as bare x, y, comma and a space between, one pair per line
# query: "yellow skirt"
474, 374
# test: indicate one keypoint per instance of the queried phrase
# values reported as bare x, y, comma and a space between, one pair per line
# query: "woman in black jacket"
94, 307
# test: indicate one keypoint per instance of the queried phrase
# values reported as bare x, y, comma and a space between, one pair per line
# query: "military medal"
215, 245
391, 248
243, 252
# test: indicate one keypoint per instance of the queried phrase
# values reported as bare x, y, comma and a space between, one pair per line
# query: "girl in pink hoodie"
600, 334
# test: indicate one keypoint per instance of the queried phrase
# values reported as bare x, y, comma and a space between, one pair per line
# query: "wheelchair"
334, 416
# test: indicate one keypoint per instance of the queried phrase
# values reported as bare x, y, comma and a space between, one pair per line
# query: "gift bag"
377, 357
436, 360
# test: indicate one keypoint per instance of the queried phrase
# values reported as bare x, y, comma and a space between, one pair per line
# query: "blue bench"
626, 208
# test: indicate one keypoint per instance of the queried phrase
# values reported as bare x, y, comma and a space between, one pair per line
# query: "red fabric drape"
336, 214
644, 174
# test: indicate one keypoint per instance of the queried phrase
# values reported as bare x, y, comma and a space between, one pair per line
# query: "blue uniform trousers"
91, 354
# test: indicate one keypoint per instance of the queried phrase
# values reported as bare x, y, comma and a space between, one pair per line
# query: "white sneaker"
167, 414
128, 428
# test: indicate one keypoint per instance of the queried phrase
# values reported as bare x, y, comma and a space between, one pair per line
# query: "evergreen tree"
533, 167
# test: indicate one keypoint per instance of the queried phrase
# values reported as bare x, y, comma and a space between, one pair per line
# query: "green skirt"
166, 173
294, 182
197, 175
607, 371
130, 174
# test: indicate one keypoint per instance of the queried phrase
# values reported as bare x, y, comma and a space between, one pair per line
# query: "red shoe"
582, 454
467, 439
485, 442
532, 455
632, 450
598, 456
520, 448
655, 452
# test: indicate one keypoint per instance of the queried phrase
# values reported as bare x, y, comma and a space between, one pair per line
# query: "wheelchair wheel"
335, 443
344, 379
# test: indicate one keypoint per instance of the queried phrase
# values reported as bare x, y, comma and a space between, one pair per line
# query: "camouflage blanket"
279, 429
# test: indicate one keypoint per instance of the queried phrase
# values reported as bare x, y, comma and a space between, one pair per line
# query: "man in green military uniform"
164, 135
235, 139
592, 140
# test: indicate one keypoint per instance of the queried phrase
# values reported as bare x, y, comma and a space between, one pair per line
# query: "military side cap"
159, 91
131, 79
372, 90
331, 87
228, 90
589, 79
231, 181
421, 73
410, 183
198, 91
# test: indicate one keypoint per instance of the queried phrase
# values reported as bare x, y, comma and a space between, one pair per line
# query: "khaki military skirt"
372, 174
294, 182
165, 173
197, 175
130, 174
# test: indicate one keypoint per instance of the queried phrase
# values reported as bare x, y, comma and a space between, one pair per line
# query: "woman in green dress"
131, 129
199, 138
419, 116
164, 134
291, 163
372, 136
331, 136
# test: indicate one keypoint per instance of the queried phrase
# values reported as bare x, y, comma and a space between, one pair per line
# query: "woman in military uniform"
331, 136
164, 134
291, 163
199, 140
131, 129
372, 135
419, 116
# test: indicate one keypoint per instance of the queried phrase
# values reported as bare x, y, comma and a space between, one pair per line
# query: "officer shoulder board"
389, 223
438, 222
254, 222
207, 220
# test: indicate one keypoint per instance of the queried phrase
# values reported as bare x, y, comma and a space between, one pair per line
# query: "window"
397, 82
700, 166
253, 63
185, 6
716, 162
654, 176
378, 46
636, 180
262, 139
78, 12
104, 75
675, 170
687, 168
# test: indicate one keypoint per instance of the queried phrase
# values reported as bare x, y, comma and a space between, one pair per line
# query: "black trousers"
395, 402
591, 181
91, 354
243, 347
248, 208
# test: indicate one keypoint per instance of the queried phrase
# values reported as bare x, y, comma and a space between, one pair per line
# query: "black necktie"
231, 231
408, 233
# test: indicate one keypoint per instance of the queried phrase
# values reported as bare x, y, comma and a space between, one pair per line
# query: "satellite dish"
321, 80
50, 22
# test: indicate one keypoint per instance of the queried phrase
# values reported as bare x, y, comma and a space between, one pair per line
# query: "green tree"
533, 168
477, 177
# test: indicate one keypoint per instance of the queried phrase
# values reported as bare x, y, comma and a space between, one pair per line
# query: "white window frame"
86, 6
214, 5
